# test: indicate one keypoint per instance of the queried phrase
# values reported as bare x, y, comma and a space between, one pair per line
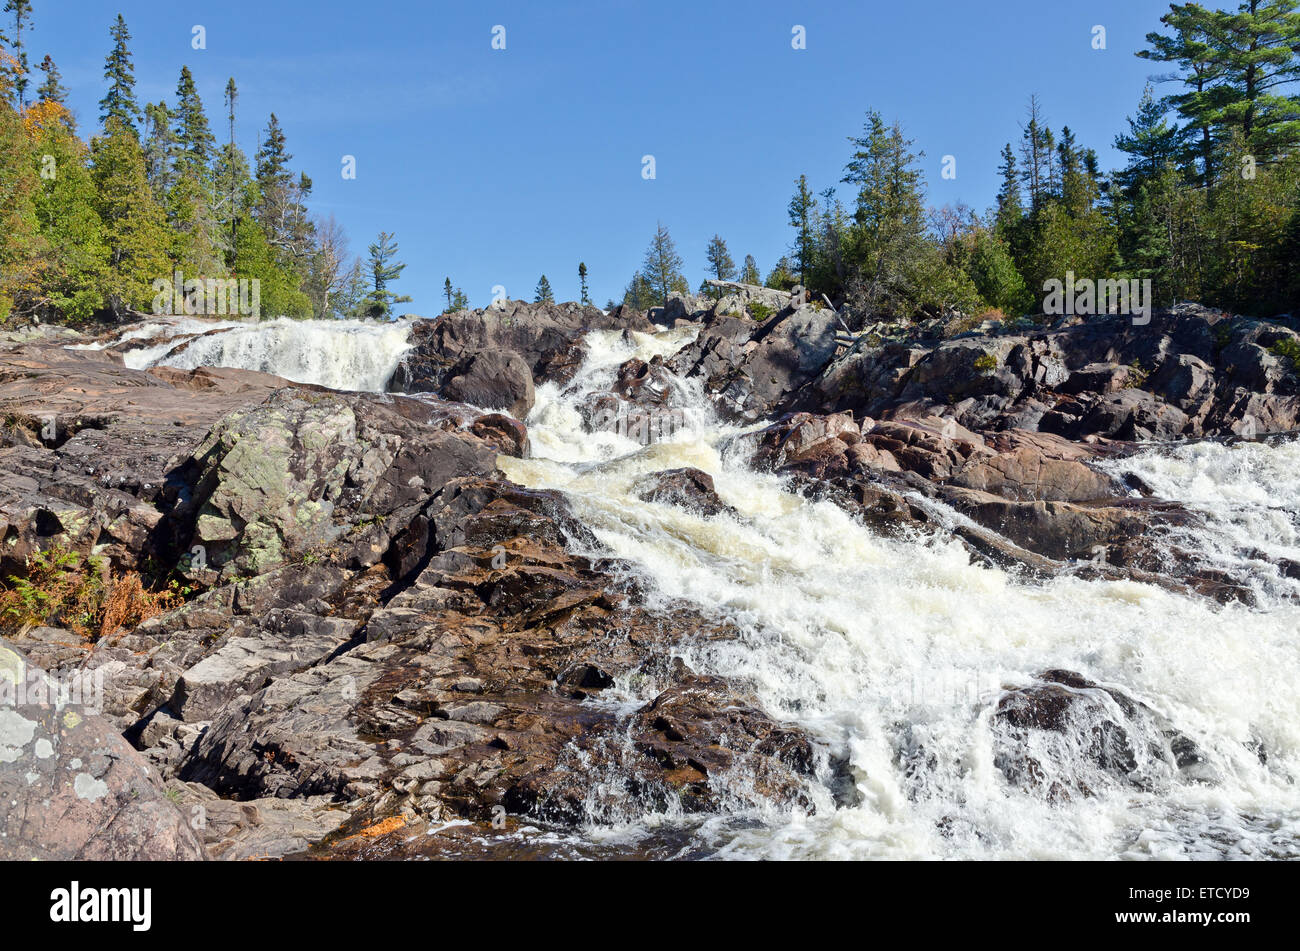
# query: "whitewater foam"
892, 651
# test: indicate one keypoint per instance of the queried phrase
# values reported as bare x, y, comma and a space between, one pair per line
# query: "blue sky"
495, 166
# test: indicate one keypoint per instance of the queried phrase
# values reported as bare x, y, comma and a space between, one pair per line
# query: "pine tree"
542, 293
119, 102
447, 293
51, 90
887, 238
749, 271
584, 298
1236, 69
721, 265
22, 11
383, 271
663, 267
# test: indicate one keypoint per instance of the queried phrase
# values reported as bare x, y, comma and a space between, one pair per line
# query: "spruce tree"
802, 211
135, 229
22, 12
51, 90
119, 102
194, 139
1010, 211
542, 293
447, 293
721, 265
662, 270
584, 298
749, 273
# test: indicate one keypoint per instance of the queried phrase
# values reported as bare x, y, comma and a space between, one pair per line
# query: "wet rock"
548, 338
688, 488
1066, 735
493, 379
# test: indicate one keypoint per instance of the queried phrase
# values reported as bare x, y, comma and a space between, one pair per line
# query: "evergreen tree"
1237, 68
119, 102
1037, 165
749, 271
135, 230
51, 90
234, 191
663, 267
583, 298
1151, 144
159, 149
1010, 211
195, 142
887, 237
802, 210
22, 12
383, 271
447, 292
542, 294
721, 266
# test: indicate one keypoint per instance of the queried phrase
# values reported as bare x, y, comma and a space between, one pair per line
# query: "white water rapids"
893, 652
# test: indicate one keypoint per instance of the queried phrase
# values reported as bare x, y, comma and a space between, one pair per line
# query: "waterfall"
341, 354
892, 652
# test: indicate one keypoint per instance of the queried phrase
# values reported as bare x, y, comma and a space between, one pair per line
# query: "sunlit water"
883, 649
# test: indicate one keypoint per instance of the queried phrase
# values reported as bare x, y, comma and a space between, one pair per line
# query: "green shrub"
759, 311
1289, 349
986, 363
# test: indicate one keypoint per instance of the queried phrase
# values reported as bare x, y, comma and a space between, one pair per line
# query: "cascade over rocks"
385, 630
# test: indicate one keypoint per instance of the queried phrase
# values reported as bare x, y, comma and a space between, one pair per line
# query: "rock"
548, 338
751, 370
257, 830
303, 474
73, 789
688, 488
1066, 735
493, 379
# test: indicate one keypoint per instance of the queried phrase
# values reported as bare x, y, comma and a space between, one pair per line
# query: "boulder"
688, 488
493, 379
73, 789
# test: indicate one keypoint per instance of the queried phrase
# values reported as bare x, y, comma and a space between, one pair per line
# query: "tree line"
1207, 205
87, 229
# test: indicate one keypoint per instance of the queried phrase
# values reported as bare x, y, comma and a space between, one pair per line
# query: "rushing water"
892, 652
341, 354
